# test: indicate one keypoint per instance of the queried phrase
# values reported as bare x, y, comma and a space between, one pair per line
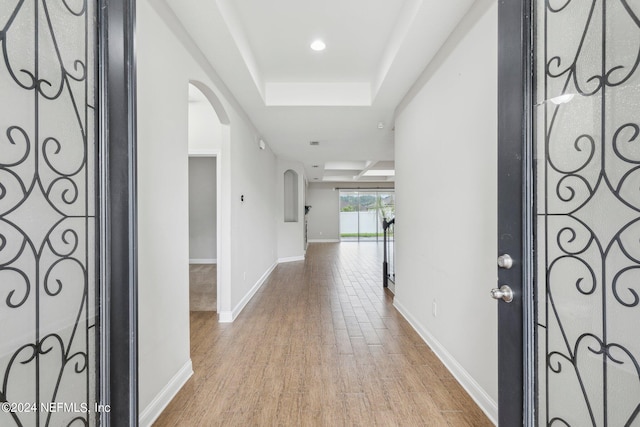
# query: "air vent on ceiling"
314, 143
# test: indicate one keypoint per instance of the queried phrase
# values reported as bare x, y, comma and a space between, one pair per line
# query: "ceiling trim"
400, 30
230, 17
336, 94
470, 18
319, 93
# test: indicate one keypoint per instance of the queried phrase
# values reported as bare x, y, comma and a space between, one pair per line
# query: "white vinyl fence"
369, 222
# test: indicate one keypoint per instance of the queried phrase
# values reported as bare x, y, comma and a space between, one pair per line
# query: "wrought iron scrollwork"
589, 212
48, 348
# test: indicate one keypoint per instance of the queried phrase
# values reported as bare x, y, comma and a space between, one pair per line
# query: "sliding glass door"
362, 212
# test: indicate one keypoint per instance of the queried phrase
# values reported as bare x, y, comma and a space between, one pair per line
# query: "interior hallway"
319, 344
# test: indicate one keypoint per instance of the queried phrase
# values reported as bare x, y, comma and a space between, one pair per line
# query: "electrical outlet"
435, 308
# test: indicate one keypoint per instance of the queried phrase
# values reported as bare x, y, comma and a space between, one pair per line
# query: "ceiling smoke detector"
314, 143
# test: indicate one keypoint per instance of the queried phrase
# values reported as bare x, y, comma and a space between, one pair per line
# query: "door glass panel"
48, 285
349, 216
587, 133
368, 219
386, 206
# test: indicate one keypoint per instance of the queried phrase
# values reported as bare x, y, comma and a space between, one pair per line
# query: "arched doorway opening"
209, 235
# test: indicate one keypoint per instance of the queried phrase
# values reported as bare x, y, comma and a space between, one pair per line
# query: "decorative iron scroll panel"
587, 132
48, 350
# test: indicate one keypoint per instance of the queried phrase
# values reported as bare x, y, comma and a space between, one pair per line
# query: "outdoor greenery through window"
362, 213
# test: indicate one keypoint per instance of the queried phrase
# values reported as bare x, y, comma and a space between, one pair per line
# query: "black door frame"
118, 231
516, 404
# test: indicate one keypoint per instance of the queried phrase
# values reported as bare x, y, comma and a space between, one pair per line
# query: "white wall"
246, 230
324, 216
253, 231
205, 130
446, 137
162, 209
291, 246
323, 222
202, 209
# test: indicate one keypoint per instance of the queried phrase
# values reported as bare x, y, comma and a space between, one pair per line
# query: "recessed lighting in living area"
318, 45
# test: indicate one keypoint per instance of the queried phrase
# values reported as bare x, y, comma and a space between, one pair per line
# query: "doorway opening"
202, 234
208, 133
362, 213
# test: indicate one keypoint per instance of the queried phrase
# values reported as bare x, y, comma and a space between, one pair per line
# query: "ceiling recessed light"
318, 45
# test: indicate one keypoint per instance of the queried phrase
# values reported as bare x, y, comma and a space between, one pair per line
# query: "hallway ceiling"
343, 97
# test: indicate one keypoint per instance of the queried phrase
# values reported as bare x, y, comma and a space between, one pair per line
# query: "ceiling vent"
314, 143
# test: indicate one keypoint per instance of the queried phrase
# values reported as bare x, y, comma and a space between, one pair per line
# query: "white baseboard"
324, 240
477, 393
203, 261
291, 259
225, 317
168, 392
230, 316
392, 287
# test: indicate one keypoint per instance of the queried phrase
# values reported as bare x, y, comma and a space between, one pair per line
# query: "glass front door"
587, 179
49, 294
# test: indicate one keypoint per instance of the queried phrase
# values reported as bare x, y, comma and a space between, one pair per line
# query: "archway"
209, 141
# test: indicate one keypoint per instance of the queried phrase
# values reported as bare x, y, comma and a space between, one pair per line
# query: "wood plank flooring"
319, 345
202, 287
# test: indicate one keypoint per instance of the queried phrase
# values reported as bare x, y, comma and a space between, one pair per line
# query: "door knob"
504, 293
505, 261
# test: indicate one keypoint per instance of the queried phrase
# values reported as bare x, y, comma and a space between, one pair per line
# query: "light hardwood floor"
319, 345
202, 287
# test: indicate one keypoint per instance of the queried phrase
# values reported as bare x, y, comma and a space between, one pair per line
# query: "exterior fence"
369, 223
